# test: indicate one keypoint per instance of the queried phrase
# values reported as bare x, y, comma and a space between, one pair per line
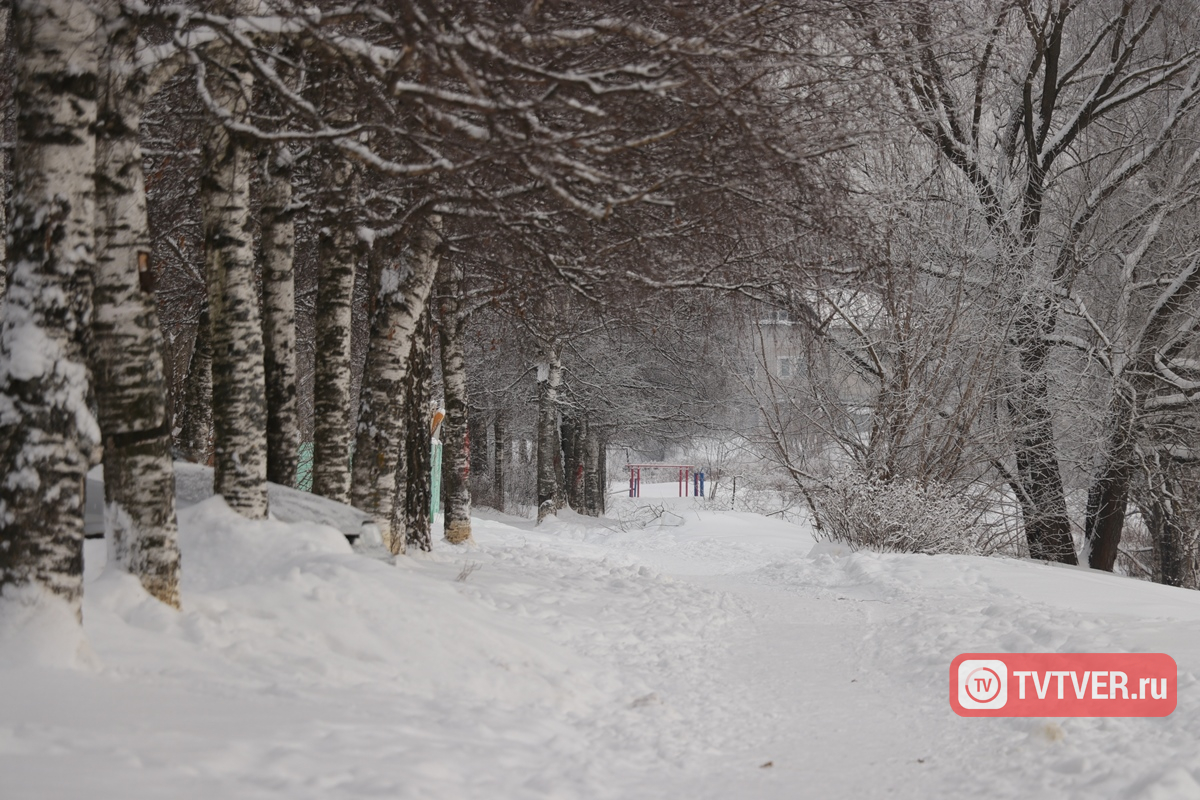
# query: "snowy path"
582, 661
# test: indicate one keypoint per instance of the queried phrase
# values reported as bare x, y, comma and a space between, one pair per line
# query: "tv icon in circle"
982, 684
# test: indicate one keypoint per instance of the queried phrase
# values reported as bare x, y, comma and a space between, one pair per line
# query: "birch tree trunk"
456, 461
501, 455
549, 450
337, 253
195, 437
46, 427
418, 491
238, 385
277, 250
126, 352
401, 295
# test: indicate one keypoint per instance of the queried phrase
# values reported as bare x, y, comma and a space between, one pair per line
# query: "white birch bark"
402, 291
456, 462
549, 449
139, 479
238, 385
46, 428
277, 251
338, 249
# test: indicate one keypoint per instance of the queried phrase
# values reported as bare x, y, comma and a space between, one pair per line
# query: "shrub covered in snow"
899, 516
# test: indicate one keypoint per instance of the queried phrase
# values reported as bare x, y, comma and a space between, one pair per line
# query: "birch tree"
238, 383
456, 461
402, 290
549, 446
337, 254
126, 346
415, 493
277, 251
47, 432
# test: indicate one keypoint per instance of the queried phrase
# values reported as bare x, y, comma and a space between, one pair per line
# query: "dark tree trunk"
5, 169
592, 500
1107, 499
139, 478
481, 464
46, 429
277, 251
500, 460
1167, 539
572, 449
456, 460
418, 416
1043, 503
1108, 495
1166, 521
602, 473
194, 416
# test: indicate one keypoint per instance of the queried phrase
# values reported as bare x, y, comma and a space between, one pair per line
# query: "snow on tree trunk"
456, 460
277, 250
337, 254
238, 385
194, 417
418, 492
401, 295
503, 447
46, 427
126, 351
549, 451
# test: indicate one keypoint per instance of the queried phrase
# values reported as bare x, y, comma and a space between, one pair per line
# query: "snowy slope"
194, 483
668, 651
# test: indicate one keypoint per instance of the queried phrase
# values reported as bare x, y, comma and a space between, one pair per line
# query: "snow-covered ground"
668, 651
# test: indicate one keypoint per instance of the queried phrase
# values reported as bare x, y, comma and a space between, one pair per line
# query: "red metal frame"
685, 477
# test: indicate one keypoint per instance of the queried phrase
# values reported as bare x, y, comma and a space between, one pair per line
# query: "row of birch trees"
418, 164
240, 227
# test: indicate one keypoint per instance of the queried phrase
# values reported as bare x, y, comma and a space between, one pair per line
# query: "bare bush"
900, 516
